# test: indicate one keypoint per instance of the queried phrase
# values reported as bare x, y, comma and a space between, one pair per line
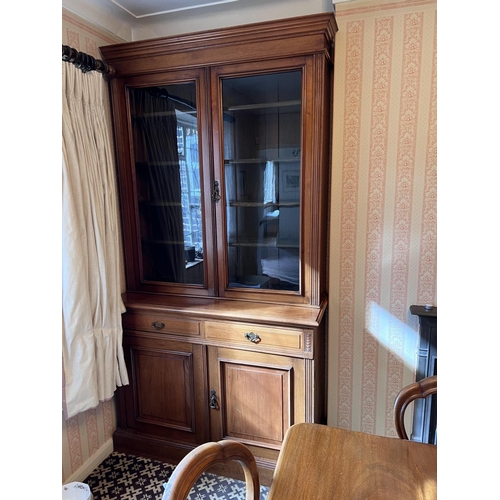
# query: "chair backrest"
416, 390
205, 455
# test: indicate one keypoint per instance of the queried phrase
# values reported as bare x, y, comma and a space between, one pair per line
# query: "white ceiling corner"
133, 20
146, 8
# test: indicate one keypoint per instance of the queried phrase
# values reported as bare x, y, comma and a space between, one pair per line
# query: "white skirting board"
92, 463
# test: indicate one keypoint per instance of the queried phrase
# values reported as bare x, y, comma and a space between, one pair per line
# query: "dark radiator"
425, 410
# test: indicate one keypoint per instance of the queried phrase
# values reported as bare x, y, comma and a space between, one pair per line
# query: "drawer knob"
158, 325
252, 337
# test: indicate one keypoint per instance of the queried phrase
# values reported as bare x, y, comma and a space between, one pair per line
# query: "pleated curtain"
93, 362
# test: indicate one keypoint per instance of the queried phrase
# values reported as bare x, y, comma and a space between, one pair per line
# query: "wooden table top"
322, 462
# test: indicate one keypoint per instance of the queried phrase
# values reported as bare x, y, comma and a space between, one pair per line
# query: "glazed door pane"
167, 177
262, 168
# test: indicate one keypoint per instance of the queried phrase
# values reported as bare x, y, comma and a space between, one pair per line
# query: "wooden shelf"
265, 105
268, 242
260, 161
259, 204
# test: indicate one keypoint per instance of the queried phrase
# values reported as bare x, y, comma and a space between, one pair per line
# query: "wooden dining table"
321, 462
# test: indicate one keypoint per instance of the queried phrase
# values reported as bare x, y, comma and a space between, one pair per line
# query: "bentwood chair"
416, 390
204, 456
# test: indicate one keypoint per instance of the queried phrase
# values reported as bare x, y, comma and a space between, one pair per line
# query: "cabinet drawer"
257, 335
161, 324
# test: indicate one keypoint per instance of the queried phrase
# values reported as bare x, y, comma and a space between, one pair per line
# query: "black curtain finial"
85, 62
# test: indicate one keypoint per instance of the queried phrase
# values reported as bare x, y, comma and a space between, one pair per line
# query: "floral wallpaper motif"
383, 213
382, 60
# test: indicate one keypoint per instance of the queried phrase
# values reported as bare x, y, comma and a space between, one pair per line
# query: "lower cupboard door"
166, 395
255, 397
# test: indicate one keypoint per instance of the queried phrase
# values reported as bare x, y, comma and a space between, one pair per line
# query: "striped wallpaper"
84, 436
383, 210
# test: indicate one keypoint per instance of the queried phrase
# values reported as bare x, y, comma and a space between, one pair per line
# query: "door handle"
213, 400
215, 192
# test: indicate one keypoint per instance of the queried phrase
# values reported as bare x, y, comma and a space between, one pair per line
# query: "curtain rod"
85, 62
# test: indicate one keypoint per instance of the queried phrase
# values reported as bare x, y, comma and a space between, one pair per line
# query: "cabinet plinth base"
150, 447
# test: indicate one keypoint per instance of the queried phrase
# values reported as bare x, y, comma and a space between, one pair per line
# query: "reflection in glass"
165, 132
262, 137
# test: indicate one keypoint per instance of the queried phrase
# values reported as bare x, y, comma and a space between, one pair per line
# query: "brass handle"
158, 325
213, 399
252, 337
215, 192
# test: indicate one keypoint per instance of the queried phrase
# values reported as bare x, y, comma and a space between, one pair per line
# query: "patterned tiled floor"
126, 477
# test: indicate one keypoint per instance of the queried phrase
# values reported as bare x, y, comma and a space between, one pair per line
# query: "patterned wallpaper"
85, 36
383, 215
86, 438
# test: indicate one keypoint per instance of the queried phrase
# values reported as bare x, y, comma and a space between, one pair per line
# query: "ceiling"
144, 19
145, 8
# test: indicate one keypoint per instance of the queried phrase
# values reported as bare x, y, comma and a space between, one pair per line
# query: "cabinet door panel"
167, 180
166, 395
170, 374
262, 164
263, 112
251, 413
164, 171
259, 396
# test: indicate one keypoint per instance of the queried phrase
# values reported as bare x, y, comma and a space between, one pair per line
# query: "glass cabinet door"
164, 122
262, 171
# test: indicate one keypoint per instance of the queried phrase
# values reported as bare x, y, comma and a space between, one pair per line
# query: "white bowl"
76, 491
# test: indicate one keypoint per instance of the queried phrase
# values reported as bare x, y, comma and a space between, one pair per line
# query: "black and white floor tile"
127, 477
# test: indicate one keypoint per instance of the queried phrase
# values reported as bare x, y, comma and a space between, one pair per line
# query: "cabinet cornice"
259, 41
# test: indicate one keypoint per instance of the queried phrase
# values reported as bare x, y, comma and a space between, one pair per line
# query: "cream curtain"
93, 362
